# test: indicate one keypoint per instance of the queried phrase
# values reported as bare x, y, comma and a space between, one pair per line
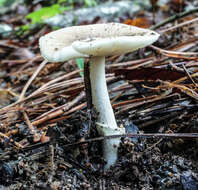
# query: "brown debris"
48, 139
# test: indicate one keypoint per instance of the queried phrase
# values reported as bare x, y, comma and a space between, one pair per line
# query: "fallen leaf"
149, 74
140, 22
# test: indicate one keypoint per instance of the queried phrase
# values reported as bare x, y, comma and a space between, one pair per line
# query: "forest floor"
48, 139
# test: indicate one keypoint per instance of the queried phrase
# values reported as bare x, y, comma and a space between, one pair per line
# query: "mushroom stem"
106, 119
100, 96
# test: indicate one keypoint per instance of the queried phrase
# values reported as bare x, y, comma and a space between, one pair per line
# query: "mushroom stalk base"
106, 119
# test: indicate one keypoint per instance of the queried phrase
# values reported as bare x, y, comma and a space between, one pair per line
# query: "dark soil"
46, 156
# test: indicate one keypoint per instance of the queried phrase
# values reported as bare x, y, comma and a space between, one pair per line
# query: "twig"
59, 111
141, 100
179, 25
31, 127
51, 163
148, 135
66, 114
174, 17
6, 137
185, 78
64, 77
128, 63
186, 90
177, 54
41, 66
21, 97
37, 58
133, 105
188, 74
78, 107
162, 118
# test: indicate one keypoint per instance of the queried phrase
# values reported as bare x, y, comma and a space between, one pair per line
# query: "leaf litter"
48, 139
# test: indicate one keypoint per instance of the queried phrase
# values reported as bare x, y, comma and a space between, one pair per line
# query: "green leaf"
44, 13
25, 27
80, 64
5, 3
2, 2
62, 1
23, 30
90, 3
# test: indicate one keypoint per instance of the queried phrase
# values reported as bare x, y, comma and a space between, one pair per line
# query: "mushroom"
97, 41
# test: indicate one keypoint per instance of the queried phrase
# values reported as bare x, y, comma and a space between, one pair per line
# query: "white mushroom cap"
94, 40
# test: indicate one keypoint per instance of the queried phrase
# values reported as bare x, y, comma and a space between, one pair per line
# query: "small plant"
80, 64
46, 12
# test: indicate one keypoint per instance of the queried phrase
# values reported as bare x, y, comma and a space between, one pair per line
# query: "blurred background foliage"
50, 8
